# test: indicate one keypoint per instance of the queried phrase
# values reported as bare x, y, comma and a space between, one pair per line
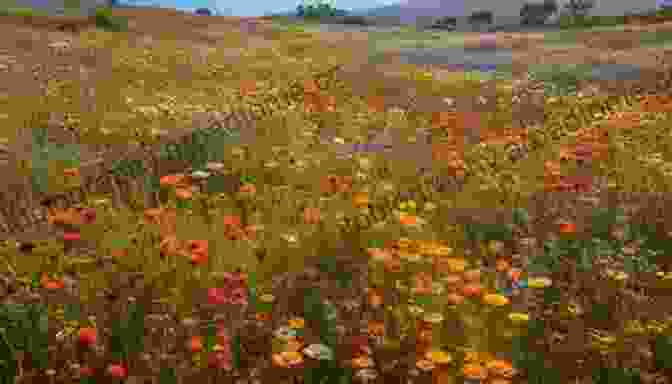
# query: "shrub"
354, 20
22, 12
105, 20
481, 17
537, 13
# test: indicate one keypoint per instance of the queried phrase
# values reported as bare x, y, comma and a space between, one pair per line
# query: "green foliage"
23, 328
21, 12
106, 21
45, 153
128, 334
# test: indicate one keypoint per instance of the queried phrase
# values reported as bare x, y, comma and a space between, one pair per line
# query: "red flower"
85, 371
231, 220
217, 296
117, 370
72, 236
198, 251
567, 228
87, 336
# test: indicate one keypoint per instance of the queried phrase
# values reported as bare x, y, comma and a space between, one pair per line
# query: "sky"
254, 7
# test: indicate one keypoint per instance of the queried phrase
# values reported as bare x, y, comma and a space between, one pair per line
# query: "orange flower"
567, 228
170, 245
231, 221
195, 344
376, 328
247, 87
514, 274
392, 263
172, 180
59, 216
472, 275
455, 298
408, 219
444, 119
361, 199
51, 284
474, 372
376, 103
501, 368
311, 215
472, 290
197, 251
249, 189
422, 284
310, 86
503, 265
120, 252
184, 193
375, 298
152, 215
71, 172
453, 281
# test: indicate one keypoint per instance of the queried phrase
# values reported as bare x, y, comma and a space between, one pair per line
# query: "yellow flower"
518, 317
495, 299
404, 243
620, 276
438, 357
433, 318
456, 265
297, 323
443, 250
267, 298
539, 282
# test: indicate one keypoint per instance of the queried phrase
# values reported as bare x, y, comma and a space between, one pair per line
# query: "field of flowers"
310, 253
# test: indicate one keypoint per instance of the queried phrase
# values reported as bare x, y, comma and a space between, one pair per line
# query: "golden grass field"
532, 244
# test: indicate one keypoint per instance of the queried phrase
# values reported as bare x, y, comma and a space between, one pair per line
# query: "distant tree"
579, 7
537, 13
479, 17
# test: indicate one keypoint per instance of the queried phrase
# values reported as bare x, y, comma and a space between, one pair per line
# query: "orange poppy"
503, 265
472, 290
170, 245
249, 189
515, 274
195, 344
68, 216
375, 299
310, 86
376, 328
51, 284
422, 281
444, 119
474, 372
455, 298
500, 368
376, 103
361, 199
71, 172
408, 219
172, 180
247, 87
472, 275
152, 215
184, 193
231, 220
311, 215
567, 228
116, 253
